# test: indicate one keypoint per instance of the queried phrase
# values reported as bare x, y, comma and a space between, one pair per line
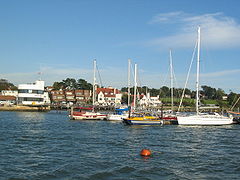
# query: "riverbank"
24, 108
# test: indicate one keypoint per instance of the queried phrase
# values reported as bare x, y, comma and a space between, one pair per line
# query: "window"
37, 91
80, 97
30, 99
23, 91
30, 91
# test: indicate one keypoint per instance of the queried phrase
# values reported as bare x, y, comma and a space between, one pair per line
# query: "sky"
58, 39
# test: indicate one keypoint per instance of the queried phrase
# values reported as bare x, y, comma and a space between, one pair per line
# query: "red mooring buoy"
145, 152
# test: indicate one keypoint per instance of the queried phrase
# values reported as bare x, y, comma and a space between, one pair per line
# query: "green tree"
83, 84
70, 83
219, 94
209, 92
58, 85
5, 85
232, 97
164, 91
124, 89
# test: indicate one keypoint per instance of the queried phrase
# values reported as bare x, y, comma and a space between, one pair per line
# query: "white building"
108, 96
147, 100
33, 94
9, 93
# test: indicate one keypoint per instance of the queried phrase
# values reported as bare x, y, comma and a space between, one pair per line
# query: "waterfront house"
79, 96
70, 96
83, 96
224, 98
9, 93
58, 96
147, 101
108, 96
7, 100
32, 94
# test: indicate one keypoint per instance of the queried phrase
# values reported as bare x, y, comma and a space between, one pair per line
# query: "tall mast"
94, 80
129, 80
171, 78
135, 87
198, 71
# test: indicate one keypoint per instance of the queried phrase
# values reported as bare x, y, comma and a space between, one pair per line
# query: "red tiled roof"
107, 90
7, 98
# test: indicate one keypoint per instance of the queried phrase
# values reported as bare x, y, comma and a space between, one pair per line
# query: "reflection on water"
34, 116
50, 146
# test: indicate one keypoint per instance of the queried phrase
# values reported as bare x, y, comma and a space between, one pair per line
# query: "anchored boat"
202, 118
86, 113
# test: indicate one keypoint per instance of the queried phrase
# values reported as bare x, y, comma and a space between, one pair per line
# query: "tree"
5, 85
70, 83
83, 84
219, 94
164, 91
209, 92
154, 92
232, 97
58, 85
124, 89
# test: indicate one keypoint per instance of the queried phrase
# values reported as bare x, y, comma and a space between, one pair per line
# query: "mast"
198, 71
94, 81
129, 80
171, 78
135, 87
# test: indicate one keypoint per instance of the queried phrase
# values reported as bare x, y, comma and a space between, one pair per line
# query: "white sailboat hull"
116, 117
204, 120
88, 116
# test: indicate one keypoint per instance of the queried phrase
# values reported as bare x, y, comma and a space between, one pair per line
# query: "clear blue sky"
60, 38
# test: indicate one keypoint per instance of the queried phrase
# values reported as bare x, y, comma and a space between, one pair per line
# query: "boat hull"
204, 120
88, 116
143, 122
115, 117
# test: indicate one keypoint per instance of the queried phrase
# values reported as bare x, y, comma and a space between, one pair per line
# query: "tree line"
72, 84
207, 93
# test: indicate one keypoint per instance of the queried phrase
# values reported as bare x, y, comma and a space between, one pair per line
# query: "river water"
37, 145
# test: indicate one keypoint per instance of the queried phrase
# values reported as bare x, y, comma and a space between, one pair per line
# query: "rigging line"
132, 70
140, 83
133, 75
193, 54
100, 79
164, 82
175, 80
235, 103
138, 80
174, 77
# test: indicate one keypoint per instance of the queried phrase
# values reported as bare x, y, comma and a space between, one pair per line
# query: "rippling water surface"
49, 146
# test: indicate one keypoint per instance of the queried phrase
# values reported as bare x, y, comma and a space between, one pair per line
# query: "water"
49, 146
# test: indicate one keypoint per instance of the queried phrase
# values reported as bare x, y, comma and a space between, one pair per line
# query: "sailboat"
141, 118
202, 118
122, 112
88, 113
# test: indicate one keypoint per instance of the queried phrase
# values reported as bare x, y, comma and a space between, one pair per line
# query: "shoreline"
25, 108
